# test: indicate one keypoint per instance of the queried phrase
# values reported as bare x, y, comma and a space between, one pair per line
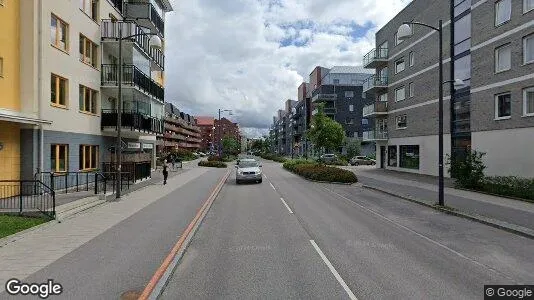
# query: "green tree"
325, 132
468, 171
230, 146
354, 148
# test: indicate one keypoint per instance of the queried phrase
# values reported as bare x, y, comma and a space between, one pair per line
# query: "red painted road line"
170, 257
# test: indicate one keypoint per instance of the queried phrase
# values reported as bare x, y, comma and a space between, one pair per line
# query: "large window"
90, 7
59, 33
462, 34
88, 100
412, 58
461, 6
503, 11
503, 106
349, 94
401, 121
351, 107
399, 66
503, 58
409, 156
400, 94
411, 89
528, 5
88, 51
528, 49
462, 69
88, 157
59, 157
528, 101
392, 156
59, 87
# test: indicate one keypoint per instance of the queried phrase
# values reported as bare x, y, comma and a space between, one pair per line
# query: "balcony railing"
374, 135
378, 108
143, 10
324, 97
133, 120
131, 75
375, 82
375, 58
110, 30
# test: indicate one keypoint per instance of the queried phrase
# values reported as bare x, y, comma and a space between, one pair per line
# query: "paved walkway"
19, 256
425, 188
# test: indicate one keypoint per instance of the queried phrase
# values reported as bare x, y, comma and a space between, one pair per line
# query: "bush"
229, 158
213, 164
315, 171
338, 162
274, 157
182, 155
213, 158
467, 171
509, 186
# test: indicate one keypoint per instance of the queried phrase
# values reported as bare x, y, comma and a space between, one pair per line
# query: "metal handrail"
375, 54
27, 195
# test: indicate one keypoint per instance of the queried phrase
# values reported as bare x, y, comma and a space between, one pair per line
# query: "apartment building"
71, 78
207, 133
340, 90
492, 53
181, 131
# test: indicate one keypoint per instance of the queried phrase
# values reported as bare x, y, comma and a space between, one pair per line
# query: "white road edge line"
333, 270
287, 206
272, 186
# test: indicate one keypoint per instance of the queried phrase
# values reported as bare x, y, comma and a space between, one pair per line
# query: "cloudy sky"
251, 55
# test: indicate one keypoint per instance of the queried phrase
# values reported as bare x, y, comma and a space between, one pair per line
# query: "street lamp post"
155, 42
219, 142
405, 32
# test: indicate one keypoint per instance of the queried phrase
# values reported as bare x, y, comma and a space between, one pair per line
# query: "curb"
515, 229
496, 195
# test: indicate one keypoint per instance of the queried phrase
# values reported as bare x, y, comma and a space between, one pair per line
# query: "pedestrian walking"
165, 172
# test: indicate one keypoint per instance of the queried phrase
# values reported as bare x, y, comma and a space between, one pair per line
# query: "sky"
250, 56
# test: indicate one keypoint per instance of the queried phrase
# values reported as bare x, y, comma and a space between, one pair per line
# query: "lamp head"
155, 42
404, 32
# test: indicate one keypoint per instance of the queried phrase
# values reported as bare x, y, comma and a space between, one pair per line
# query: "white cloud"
227, 54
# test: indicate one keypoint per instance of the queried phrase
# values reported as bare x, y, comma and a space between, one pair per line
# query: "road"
334, 241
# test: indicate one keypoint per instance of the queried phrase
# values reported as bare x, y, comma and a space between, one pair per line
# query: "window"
503, 106
409, 156
462, 69
58, 90
528, 49
462, 34
90, 7
461, 6
336, 81
528, 101
365, 121
59, 32
351, 107
384, 97
399, 66
88, 99
88, 51
400, 94
349, 94
503, 11
503, 58
401, 122
88, 157
528, 5
410, 89
412, 59
59, 157
397, 41
349, 120
392, 156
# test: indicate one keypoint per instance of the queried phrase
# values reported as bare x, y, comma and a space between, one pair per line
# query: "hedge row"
273, 157
509, 186
224, 158
213, 164
319, 172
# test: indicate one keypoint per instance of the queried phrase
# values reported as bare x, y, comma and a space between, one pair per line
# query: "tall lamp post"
219, 142
155, 42
405, 31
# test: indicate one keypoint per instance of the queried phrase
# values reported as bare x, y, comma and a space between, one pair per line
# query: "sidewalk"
424, 188
36, 249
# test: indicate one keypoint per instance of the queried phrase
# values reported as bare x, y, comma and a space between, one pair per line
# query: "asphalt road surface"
334, 241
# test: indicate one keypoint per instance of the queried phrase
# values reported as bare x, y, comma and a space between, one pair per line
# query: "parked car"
362, 160
248, 170
327, 158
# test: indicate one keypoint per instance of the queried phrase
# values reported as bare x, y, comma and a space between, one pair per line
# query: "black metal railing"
133, 120
375, 55
136, 9
106, 182
131, 75
136, 170
110, 30
68, 182
373, 81
22, 196
157, 20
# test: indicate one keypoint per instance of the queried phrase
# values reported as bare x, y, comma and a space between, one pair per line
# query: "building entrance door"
382, 157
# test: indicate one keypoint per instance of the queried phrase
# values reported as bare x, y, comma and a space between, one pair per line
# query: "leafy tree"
468, 170
354, 148
230, 146
325, 132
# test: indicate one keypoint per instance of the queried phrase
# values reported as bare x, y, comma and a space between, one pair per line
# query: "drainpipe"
40, 85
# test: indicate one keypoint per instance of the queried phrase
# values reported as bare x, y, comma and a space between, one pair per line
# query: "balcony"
110, 33
117, 4
324, 97
375, 83
132, 121
369, 136
375, 109
131, 76
145, 14
376, 58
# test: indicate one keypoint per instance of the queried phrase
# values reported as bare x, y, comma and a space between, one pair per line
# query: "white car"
248, 170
